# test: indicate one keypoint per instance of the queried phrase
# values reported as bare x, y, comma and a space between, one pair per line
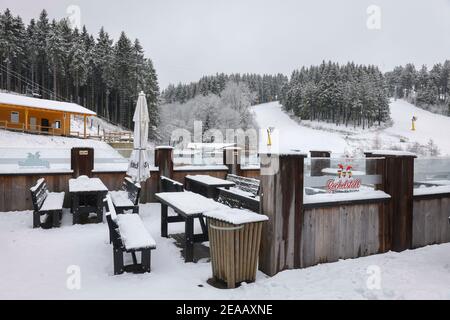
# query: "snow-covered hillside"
94, 127
305, 136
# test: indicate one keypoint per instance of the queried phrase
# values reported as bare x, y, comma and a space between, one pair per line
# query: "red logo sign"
344, 182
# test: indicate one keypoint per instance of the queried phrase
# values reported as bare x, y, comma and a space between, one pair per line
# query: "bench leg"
99, 208
55, 218
75, 208
118, 261
189, 242
36, 219
164, 222
119, 210
146, 259
136, 209
203, 226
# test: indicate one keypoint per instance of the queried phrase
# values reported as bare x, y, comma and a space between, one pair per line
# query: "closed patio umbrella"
139, 166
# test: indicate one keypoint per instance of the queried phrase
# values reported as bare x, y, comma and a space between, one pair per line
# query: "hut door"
44, 125
33, 123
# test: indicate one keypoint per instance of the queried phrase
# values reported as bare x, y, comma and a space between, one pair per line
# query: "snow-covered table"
187, 206
206, 185
87, 196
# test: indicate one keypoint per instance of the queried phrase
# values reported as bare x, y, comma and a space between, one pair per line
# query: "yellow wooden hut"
27, 114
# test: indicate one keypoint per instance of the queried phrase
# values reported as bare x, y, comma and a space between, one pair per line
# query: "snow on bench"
120, 198
189, 203
54, 201
46, 203
235, 216
84, 183
133, 233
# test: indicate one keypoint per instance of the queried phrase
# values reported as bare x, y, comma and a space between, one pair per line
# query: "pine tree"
123, 61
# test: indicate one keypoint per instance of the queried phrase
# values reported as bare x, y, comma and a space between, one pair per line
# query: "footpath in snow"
37, 264
311, 135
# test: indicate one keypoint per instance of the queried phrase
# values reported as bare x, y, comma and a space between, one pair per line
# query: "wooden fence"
300, 234
15, 187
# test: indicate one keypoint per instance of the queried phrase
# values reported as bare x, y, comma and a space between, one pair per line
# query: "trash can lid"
235, 216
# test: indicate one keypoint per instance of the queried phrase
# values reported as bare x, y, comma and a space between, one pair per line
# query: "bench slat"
53, 201
133, 233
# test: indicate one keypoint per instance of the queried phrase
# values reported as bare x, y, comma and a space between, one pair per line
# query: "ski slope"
305, 136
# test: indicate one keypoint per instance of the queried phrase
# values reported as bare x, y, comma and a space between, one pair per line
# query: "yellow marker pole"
413, 126
269, 139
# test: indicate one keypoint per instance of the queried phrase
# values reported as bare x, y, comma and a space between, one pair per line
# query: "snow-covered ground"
310, 135
95, 126
36, 264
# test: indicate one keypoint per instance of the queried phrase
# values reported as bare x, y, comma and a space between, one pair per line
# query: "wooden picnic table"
206, 185
187, 206
87, 196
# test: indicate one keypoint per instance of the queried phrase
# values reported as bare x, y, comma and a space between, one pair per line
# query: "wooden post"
317, 165
282, 202
26, 119
232, 159
85, 126
82, 161
398, 182
164, 160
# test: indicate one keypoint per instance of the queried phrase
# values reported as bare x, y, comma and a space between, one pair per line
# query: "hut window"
14, 117
57, 124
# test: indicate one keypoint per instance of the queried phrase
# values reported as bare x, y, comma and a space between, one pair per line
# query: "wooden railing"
118, 136
36, 129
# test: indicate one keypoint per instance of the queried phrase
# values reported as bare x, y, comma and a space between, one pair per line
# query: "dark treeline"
49, 59
422, 87
266, 87
349, 94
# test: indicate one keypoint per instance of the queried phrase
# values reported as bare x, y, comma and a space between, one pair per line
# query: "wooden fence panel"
341, 232
430, 221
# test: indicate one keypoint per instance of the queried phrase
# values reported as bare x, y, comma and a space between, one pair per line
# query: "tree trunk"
54, 82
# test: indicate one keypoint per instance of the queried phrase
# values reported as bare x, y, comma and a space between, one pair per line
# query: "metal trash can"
234, 241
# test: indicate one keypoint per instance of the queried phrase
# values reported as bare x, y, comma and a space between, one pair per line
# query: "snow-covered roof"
24, 101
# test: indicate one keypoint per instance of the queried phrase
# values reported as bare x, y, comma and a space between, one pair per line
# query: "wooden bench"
127, 198
244, 195
46, 203
169, 185
128, 234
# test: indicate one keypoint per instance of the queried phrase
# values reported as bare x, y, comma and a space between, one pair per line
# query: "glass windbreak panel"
431, 172
197, 157
110, 159
337, 175
250, 161
23, 160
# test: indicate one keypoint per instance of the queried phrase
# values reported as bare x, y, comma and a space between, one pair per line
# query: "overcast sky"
187, 39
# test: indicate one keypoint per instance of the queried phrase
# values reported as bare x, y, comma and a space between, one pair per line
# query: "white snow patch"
236, 216
345, 196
